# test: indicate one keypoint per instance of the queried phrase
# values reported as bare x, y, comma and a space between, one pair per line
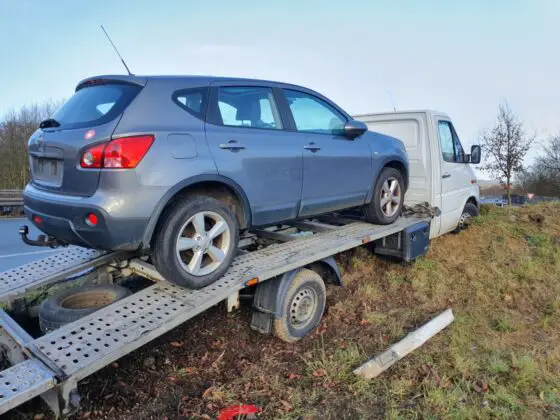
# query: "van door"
455, 176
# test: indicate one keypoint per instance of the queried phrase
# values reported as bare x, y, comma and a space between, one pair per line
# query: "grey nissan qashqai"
179, 165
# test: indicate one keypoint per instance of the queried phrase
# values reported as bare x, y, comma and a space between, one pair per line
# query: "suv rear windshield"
95, 105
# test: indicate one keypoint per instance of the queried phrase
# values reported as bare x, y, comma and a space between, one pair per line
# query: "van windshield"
95, 105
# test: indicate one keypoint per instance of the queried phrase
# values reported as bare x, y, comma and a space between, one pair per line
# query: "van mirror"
475, 155
354, 128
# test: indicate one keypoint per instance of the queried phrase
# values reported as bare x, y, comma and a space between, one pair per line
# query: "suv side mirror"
475, 155
354, 128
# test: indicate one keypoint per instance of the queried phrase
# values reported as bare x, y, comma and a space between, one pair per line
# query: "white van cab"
440, 170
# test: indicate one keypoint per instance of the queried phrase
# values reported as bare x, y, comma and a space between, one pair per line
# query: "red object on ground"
230, 413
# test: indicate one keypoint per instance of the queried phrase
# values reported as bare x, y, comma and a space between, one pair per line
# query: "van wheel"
470, 211
302, 306
68, 305
196, 242
388, 198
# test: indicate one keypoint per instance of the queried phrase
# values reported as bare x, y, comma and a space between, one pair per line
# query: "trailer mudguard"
267, 303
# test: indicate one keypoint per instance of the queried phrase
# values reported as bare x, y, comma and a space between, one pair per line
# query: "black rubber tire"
283, 327
164, 256
372, 210
54, 311
470, 209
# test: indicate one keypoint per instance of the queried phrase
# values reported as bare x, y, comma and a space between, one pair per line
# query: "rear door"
89, 117
250, 146
337, 172
455, 175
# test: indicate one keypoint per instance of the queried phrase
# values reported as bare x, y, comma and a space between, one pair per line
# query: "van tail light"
121, 153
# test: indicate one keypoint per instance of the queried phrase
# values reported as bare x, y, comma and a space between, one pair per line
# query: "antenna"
392, 102
117, 51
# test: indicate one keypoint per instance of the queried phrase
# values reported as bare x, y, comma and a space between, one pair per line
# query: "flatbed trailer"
51, 365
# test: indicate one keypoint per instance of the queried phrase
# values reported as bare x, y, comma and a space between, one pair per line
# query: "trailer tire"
302, 306
71, 304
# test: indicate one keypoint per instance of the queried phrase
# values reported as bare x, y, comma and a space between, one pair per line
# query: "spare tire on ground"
71, 304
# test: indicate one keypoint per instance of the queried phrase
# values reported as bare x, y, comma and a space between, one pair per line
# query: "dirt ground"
499, 359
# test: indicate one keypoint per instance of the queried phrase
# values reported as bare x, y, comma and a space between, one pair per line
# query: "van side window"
192, 100
312, 115
252, 107
451, 148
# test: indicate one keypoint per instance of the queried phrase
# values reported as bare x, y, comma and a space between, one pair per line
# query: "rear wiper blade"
48, 123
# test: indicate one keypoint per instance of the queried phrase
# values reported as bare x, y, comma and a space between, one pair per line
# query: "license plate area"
47, 171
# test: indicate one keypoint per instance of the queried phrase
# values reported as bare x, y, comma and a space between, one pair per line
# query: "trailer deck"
58, 360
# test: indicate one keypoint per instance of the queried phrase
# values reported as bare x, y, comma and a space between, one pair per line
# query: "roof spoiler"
133, 80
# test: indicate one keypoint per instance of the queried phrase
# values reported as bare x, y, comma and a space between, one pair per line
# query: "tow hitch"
42, 240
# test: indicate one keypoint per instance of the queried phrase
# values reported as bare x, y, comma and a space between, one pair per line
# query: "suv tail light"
122, 153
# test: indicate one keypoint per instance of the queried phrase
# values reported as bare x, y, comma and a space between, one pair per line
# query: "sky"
460, 57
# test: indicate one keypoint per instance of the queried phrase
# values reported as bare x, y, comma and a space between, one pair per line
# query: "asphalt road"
13, 252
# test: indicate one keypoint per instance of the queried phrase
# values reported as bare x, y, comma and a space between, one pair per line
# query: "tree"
505, 146
548, 164
15, 129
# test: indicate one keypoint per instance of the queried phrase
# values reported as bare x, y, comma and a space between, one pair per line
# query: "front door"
455, 176
337, 172
248, 142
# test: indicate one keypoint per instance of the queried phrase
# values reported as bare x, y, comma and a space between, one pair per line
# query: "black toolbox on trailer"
408, 244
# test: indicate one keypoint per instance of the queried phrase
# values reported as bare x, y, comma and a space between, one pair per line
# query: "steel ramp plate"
19, 280
86, 345
22, 382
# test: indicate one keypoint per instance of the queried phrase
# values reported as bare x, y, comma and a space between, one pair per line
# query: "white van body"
437, 173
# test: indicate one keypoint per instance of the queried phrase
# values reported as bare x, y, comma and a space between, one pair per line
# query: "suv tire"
388, 198
196, 242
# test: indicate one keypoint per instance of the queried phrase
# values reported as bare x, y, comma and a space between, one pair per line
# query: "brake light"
122, 153
126, 152
93, 157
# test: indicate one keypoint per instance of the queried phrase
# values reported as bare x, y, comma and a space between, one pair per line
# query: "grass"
499, 359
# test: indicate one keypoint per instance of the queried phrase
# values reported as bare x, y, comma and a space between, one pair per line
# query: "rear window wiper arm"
48, 123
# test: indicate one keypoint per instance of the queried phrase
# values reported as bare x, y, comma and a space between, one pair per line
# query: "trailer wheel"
71, 304
302, 306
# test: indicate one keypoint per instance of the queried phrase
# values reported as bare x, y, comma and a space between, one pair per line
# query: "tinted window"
451, 148
252, 107
314, 115
192, 101
95, 105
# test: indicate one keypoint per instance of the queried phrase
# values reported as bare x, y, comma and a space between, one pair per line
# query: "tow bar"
42, 240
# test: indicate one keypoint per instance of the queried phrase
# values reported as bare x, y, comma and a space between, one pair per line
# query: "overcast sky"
460, 57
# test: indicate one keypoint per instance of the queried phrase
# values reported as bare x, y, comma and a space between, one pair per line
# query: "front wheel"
196, 242
469, 212
388, 198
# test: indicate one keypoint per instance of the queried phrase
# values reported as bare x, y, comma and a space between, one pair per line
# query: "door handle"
232, 145
446, 175
311, 147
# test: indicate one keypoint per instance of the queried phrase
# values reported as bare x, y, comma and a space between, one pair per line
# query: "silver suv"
179, 165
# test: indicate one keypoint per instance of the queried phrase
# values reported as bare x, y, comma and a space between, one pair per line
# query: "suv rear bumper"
65, 220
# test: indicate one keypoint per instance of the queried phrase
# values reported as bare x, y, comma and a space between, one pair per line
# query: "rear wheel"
388, 198
196, 242
302, 306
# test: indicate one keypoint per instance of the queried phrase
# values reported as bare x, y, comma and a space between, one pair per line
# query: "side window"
451, 148
192, 100
314, 115
252, 107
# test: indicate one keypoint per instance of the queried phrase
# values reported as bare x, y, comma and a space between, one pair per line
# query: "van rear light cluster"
122, 153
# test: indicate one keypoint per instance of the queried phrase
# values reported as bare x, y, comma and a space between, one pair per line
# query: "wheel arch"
213, 185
